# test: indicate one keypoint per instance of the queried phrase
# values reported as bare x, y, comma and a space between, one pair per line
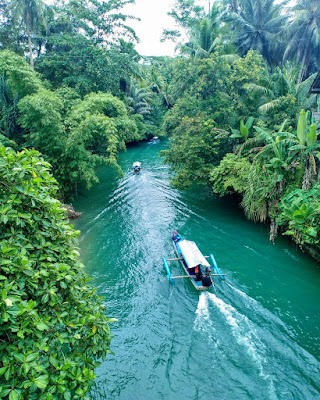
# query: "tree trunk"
303, 68
306, 182
273, 230
30, 46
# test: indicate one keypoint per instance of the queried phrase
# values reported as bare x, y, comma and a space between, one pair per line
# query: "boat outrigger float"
195, 264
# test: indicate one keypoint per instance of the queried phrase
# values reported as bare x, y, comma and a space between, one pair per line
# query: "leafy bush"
53, 328
231, 175
194, 149
19, 75
300, 215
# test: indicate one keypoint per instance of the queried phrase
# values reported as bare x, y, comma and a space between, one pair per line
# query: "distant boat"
136, 167
155, 139
195, 265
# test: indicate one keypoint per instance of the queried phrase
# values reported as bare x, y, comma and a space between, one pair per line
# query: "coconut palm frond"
268, 106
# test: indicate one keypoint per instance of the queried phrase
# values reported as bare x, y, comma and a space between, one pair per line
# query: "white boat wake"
203, 323
243, 330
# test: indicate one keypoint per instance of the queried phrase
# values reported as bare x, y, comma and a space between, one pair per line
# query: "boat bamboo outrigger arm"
171, 278
192, 276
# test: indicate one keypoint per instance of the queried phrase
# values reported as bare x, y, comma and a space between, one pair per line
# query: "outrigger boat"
136, 167
155, 139
194, 263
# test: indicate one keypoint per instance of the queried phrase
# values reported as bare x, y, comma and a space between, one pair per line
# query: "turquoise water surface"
255, 336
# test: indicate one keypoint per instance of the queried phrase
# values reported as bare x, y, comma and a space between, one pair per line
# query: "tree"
306, 146
186, 13
303, 36
31, 14
279, 93
257, 23
204, 34
231, 175
300, 216
21, 79
53, 330
102, 22
194, 149
16, 80
92, 132
231, 5
139, 99
8, 110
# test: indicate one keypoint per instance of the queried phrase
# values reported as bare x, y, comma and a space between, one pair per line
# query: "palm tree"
257, 22
139, 100
206, 34
281, 83
304, 35
31, 13
231, 5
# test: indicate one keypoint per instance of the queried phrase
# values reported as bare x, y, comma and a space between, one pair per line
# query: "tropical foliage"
53, 329
259, 145
74, 134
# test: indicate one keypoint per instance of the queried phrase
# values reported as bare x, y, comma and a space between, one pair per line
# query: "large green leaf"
312, 136
244, 130
41, 382
14, 395
302, 127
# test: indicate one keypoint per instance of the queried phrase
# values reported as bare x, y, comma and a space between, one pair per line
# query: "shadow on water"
254, 337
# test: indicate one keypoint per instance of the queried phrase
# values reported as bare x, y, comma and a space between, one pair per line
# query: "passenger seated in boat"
206, 280
198, 273
176, 237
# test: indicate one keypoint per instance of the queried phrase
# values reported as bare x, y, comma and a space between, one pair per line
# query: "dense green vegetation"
84, 95
239, 121
53, 329
236, 102
75, 133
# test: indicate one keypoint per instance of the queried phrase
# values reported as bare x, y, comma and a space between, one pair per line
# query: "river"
255, 336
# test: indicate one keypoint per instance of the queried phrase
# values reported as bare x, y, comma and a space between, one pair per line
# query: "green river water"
255, 336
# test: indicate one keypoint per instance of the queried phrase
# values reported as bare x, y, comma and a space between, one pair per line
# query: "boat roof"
137, 164
191, 254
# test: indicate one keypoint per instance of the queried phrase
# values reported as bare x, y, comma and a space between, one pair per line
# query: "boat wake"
264, 343
242, 329
203, 323
253, 305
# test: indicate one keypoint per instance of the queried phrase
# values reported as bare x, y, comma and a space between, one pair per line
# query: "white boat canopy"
137, 164
191, 254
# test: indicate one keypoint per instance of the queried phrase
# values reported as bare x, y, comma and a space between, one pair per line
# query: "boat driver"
206, 279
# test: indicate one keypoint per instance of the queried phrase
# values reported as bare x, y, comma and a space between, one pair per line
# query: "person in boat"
206, 279
136, 166
176, 237
198, 273
195, 271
